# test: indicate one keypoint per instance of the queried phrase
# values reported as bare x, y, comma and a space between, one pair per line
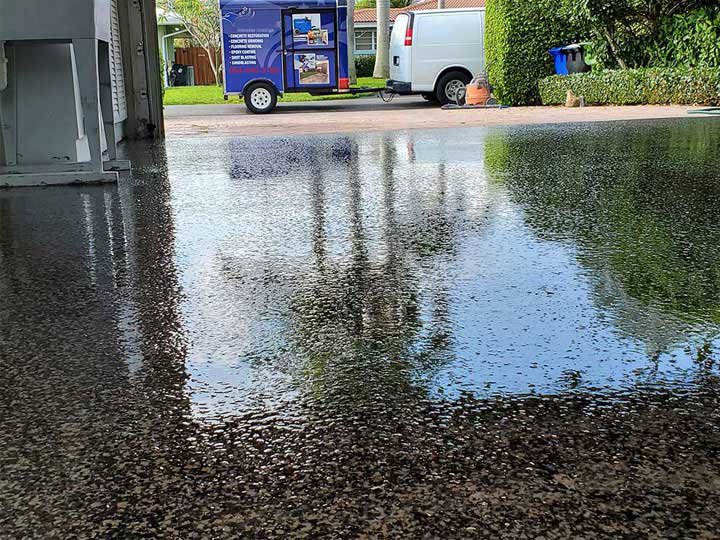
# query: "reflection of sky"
524, 314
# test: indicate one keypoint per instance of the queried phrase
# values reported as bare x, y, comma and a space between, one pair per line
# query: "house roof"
369, 15
167, 18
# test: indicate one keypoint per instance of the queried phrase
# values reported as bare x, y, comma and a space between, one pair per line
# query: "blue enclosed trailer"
275, 47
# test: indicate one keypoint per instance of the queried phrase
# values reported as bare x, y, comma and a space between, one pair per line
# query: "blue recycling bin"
560, 59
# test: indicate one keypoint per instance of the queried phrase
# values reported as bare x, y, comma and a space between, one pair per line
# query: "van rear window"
398, 33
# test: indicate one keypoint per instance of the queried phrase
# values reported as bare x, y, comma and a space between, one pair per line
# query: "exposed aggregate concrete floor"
478, 333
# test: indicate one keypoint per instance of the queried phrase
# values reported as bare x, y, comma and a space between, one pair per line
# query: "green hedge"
688, 40
365, 65
518, 35
650, 86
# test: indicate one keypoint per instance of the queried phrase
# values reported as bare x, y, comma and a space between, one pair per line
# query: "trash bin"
574, 59
179, 75
560, 60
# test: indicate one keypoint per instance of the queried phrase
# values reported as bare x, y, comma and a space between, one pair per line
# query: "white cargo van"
436, 52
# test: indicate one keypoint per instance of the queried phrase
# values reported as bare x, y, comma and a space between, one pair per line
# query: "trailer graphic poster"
312, 68
252, 45
307, 29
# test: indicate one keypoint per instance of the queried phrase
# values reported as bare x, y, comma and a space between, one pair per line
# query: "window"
365, 40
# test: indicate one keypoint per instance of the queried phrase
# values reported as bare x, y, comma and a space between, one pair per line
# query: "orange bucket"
478, 91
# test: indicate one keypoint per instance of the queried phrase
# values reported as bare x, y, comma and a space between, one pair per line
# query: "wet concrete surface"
506, 333
368, 115
365, 104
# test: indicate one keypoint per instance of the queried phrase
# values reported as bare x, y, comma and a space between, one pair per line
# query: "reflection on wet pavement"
447, 334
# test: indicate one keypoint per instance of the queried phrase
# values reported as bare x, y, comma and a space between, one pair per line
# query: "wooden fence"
198, 58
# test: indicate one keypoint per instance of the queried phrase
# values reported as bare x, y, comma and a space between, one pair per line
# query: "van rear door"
446, 39
401, 49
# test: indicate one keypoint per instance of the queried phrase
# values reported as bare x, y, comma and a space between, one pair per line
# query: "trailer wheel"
449, 84
260, 98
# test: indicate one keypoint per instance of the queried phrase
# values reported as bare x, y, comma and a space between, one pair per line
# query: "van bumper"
398, 87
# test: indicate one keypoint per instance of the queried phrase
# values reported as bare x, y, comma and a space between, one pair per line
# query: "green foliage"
518, 36
629, 33
201, 19
690, 40
163, 67
364, 65
623, 197
636, 86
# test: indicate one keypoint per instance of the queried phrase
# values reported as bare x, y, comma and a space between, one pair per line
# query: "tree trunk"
213, 65
351, 41
614, 48
382, 56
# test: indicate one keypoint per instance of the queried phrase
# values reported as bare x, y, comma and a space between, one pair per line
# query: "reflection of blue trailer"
271, 47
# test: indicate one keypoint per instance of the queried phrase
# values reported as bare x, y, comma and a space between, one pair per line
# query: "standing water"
456, 333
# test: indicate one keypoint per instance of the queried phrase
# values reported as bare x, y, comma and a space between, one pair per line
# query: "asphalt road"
360, 104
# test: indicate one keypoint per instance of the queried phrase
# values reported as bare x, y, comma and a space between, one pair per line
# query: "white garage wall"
117, 73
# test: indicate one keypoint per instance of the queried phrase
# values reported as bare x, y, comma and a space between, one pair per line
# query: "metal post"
140, 48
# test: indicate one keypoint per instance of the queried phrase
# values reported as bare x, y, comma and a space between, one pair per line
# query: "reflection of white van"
435, 52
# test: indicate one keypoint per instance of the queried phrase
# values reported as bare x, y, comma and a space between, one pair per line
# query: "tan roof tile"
368, 15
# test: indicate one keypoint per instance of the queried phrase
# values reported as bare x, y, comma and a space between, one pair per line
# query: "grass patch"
213, 95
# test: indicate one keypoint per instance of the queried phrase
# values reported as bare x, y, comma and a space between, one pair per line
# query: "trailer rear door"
310, 49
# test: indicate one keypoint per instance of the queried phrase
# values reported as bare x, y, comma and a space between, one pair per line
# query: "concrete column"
143, 85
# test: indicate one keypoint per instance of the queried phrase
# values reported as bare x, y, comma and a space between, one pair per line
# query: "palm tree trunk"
382, 56
351, 41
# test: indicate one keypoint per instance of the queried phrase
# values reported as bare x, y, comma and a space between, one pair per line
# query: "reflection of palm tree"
318, 212
381, 314
347, 323
358, 322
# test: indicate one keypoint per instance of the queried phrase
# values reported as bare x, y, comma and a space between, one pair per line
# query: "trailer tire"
449, 84
260, 98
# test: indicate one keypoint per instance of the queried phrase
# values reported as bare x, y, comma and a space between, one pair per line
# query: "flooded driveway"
468, 333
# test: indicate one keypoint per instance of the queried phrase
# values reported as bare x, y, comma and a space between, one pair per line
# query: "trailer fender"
264, 80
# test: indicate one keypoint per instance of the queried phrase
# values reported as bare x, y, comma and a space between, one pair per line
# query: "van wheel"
260, 98
429, 96
449, 84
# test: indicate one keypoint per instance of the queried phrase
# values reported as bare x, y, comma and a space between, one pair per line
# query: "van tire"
451, 80
429, 96
260, 98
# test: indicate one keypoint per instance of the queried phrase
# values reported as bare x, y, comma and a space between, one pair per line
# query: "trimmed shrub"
517, 38
365, 65
650, 86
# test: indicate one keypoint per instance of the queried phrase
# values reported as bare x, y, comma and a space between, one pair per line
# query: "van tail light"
408, 36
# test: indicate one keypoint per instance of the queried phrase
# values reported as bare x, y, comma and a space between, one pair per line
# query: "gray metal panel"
53, 19
47, 104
